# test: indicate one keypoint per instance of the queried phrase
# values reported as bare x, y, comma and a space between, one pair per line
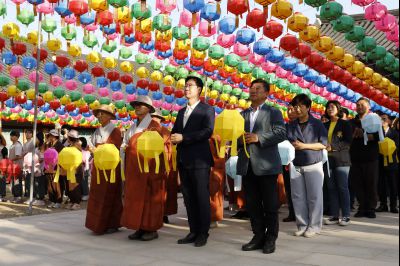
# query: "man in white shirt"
27, 147
16, 156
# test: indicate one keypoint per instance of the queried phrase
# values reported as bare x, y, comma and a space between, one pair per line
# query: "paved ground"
61, 239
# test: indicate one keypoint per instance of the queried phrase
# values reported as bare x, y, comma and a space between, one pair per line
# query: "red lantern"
40, 101
273, 29
180, 55
221, 104
84, 108
20, 99
105, 18
61, 61
314, 60
347, 76
78, 8
336, 73
4, 163
13, 170
168, 90
3, 96
125, 29
179, 94
236, 78
289, 42
70, 107
196, 62
55, 104
302, 51
142, 83
43, 54
371, 93
126, 79
246, 83
212, 102
356, 84
238, 7
2, 44
113, 75
18, 48
154, 86
143, 37
81, 65
209, 67
325, 67
162, 46
256, 19
98, 71
223, 73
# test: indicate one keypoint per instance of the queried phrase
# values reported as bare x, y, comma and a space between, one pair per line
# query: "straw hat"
54, 133
73, 134
104, 108
144, 100
158, 114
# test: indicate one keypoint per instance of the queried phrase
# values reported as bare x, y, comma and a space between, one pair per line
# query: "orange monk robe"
144, 192
217, 181
105, 199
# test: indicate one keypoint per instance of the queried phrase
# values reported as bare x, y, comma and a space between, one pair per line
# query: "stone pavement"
61, 239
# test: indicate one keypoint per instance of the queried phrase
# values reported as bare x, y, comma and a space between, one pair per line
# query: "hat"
73, 134
158, 114
145, 100
54, 133
105, 108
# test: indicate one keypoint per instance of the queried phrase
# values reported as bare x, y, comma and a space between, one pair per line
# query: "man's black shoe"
190, 238
137, 235
269, 247
394, 210
241, 215
382, 208
201, 240
359, 214
370, 214
166, 220
256, 243
290, 218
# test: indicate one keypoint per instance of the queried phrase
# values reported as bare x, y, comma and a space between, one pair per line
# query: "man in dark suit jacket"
193, 128
265, 129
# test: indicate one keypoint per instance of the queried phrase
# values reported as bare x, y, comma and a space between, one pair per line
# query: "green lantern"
156, 64
109, 46
227, 89
331, 10
376, 54
26, 17
181, 73
3, 9
396, 75
170, 69
75, 96
141, 58
162, 22
244, 96
201, 43
237, 92
104, 100
118, 3
68, 33
270, 78
23, 84
119, 105
174, 114
216, 52
283, 84
59, 92
258, 73
343, 24
315, 3
130, 108
217, 85
393, 67
245, 67
89, 98
367, 44
389, 59
43, 87
90, 40
49, 25
380, 64
125, 53
180, 33
139, 12
232, 60
4, 80
165, 113
291, 88
357, 34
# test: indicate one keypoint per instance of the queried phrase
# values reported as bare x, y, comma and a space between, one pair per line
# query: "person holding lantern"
144, 191
191, 133
265, 128
105, 199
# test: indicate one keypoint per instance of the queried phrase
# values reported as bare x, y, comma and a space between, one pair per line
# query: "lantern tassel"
237, 22
209, 27
34, 11
194, 19
218, 7
18, 9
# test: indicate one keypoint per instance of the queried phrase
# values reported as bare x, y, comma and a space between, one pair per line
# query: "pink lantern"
293, 78
78, 117
16, 71
103, 92
347, 104
269, 67
281, 73
375, 11
117, 96
71, 19
32, 111
32, 76
393, 35
56, 81
17, 109
90, 118
166, 106
113, 36
186, 18
130, 97
166, 6
50, 158
341, 100
63, 117
206, 29
176, 108
157, 103
45, 8
91, 27
387, 23
241, 49
88, 88
315, 89
1, 68
226, 41
304, 84
256, 59
173, 62
325, 93
28, 161
71, 85
144, 51
50, 114
362, 2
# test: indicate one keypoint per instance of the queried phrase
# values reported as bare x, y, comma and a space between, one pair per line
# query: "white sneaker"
345, 221
51, 205
68, 206
75, 207
56, 206
214, 225
38, 203
299, 233
85, 198
309, 234
331, 220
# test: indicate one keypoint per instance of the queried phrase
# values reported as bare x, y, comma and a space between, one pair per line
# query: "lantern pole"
35, 115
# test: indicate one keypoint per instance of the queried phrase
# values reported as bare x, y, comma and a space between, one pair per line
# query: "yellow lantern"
347, 61
30, 118
142, 72
168, 80
110, 62
156, 76
310, 34
54, 45
183, 45
143, 26
126, 66
94, 105
124, 15
356, 68
107, 158
198, 54
297, 22
324, 44
384, 84
242, 103
93, 57
48, 96
224, 97
282, 9
79, 103
10, 30
366, 74
33, 37
12, 91
214, 94
65, 100
376, 79
74, 50
14, 116
180, 85
69, 158
233, 100
151, 145
98, 5
216, 63
229, 69
165, 36
30, 94
387, 147
229, 126
335, 54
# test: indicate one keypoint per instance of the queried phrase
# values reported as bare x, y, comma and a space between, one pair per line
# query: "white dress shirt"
188, 112
253, 116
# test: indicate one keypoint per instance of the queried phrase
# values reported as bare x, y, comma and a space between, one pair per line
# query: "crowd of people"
336, 163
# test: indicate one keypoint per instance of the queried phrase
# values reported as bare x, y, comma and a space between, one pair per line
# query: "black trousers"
262, 203
365, 182
388, 185
196, 194
286, 179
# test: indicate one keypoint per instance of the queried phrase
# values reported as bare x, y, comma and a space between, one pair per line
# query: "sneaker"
51, 205
56, 206
309, 234
2, 199
38, 203
382, 208
85, 198
299, 233
359, 214
331, 220
27, 202
345, 221
75, 207
370, 214
214, 225
17, 200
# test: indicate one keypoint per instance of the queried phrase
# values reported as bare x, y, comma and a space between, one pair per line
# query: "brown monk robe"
144, 192
217, 180
105, 199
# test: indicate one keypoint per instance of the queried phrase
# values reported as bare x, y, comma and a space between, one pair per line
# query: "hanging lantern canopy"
282, 9
238, 8
78, 8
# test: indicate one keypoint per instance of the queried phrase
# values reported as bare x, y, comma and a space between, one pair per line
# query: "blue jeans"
339, 195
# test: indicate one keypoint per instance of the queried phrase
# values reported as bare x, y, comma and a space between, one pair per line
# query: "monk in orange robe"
105, 199
144, 192
217, 180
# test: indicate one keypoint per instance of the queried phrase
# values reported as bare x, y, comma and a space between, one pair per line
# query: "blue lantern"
193, 6
50, 68
288, 63
10, 103
35, 2
115, 85
142, 91
88, 114
157, 95
275, 56
74, 113
322, 81
166, 54
88, 18
333, 86
62, 9
68, 73
147, 46
28, 105
45, 107
262, 47
196, 68
181, 101
210, 12
300, 70
218, 110
85, 77
227, 25
342, 91
61, 110
28, 62
311, 75
245, 36
130, 39
9, 58
209, 74
102, 82
111, 29
169, 98
130, 89
349, 95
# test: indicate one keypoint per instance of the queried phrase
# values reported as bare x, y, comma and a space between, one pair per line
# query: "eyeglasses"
190, 86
